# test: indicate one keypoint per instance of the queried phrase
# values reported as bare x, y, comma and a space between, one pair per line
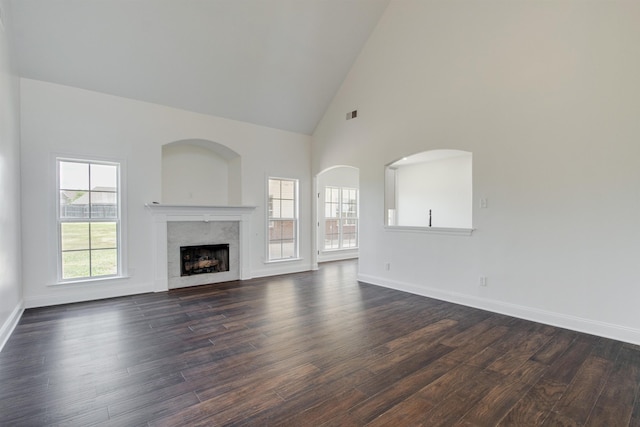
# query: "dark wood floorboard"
308, 349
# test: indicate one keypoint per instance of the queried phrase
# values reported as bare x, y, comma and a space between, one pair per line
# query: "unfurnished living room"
320, 212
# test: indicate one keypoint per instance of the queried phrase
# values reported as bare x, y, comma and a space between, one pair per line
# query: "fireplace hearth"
204, 259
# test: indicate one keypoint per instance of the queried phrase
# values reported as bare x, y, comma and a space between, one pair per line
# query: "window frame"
295, 219
118, 220
341, 218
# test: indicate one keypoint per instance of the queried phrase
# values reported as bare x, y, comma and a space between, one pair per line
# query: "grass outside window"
89, 249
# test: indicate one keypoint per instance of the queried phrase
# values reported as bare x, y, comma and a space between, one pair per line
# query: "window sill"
329, 251
431, 230
90, 280
277, 261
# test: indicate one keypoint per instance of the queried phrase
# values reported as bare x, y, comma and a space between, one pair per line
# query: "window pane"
104, 262
287, 209
331, 227
288, 189
74, 204
275, 251
274, 188
276, 210
75, 264
288, 249
349, 226
275, 231
331, 242
104, 177
74, 235
288, 229
104, 235
349, 233
349, 241
331, 210
334, 195
103, 204
327, 210
350, 202
74, 176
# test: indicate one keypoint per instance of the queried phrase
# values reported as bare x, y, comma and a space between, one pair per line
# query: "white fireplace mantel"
162, 214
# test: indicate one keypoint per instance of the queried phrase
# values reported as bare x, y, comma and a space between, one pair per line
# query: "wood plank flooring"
309, 349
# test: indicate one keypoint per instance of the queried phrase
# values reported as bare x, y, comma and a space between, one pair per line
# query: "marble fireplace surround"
163, 215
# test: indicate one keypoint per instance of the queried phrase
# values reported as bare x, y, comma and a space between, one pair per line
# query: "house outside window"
341, 218
89, 219
282, 219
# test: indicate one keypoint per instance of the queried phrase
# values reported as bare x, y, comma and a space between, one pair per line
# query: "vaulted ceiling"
276, 63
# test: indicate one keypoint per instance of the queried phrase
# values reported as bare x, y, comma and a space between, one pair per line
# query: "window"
341, 218
88, 219
283, 219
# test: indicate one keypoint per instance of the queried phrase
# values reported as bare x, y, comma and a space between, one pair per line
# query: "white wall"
63, 120
442, 186
11, 304
339, 176
546, 95
194, 175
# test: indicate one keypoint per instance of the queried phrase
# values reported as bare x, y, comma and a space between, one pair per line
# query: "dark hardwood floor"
309, 349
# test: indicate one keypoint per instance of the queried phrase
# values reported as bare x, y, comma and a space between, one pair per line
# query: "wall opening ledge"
430, 230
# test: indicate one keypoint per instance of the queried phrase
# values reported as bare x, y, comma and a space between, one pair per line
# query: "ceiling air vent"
352, 114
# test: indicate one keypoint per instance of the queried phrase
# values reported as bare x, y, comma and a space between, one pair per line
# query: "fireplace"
203, 259
176, 226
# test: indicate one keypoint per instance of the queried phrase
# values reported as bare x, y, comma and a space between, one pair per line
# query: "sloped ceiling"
276, 63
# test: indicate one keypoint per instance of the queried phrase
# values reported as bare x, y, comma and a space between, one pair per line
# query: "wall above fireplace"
200, 172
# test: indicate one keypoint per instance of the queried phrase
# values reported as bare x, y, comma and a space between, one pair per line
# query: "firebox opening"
204, 259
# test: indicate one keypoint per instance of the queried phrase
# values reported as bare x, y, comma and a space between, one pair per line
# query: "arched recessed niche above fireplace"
200, 172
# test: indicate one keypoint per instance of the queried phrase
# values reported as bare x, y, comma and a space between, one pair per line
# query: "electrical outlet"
483, 281
387, 266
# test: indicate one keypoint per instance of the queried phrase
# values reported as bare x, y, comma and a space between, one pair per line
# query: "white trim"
95, 293
588, 326
430, 230
279, 260
338, 254
315, 221
10, 324
283, 268
3, 29
89, 280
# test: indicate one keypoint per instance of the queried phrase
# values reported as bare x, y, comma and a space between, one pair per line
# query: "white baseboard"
82, 295
337, 255
588, 326
10, 324
278, 268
